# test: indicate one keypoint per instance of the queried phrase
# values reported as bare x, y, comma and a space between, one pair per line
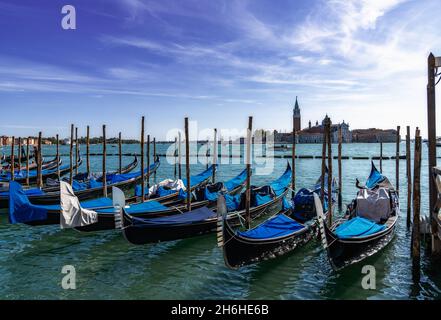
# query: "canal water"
107, 267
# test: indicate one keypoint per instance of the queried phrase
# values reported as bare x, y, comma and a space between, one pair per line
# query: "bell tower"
297, 118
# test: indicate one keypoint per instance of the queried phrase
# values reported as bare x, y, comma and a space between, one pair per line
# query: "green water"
108, 267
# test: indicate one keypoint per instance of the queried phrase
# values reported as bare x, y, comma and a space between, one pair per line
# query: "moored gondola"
368, 226
266, 200
291, 228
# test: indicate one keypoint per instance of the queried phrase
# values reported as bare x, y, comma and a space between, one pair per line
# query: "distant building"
374, 135
315, 134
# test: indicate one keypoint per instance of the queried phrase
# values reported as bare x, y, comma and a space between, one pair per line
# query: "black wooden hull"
239, 251
145, 234
342, 253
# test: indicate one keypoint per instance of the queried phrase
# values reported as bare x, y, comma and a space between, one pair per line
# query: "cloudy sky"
215, 61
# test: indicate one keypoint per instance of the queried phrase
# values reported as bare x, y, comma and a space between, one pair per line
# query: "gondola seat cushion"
374, 205
278, 226
358, 227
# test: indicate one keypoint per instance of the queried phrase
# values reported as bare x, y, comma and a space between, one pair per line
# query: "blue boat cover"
20, 209
89, 204
279, 186
374, 178
277, 226
259, 200
230, 185
233, 202
194, 216
22, 174
28, 192
358, 227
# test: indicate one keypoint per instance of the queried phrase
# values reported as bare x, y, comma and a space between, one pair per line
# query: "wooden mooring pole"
57, 138
142, 159
88, 151
104, 162
13, 159
248, 159
120, 152
180, 156
154, 158
176, 157
397, 160
293, 157
27, 162
19, 154
76, 150
39, 163
381, 155
431, 126
215, 147
322, 186
71, 154
416, 202
409, 178
187, 164
148, 162
328, 129
340, 173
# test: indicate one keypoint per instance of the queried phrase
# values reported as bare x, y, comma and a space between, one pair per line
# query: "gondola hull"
240, 251
144, 234
342, 253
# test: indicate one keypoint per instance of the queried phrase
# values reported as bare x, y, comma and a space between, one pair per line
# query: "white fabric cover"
374, 204
72, 215
169, 184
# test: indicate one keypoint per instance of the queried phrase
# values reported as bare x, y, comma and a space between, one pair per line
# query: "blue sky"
215, 61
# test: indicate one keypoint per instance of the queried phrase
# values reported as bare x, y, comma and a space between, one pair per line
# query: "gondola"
265, 200
368, 226
293, 227
49, 173
46, 164
24, 157
84, 176
84, 191
204, 196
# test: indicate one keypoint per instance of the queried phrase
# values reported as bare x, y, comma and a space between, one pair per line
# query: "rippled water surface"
108, 267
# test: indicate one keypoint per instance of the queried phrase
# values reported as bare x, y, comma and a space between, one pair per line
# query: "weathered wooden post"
120, 153
180, 156
397, 160
187, 164
416, 202
409, 177
293, 157
176, 156
88, 151
71, 154
214, 156
57, 138
431, 125
340, 172
249, 159
148, 162
154, 158
39, 163
328, 129
27, 161
104, 162
381, 155
323, 175
76, 150
142, 159
13, 159
19, 154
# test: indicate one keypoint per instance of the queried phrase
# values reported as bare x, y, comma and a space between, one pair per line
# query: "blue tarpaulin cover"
278, 226
279, 186
89, 204
194, 216
230, 185
233, 202
358, 227
28, 192
20, 209
374, 178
